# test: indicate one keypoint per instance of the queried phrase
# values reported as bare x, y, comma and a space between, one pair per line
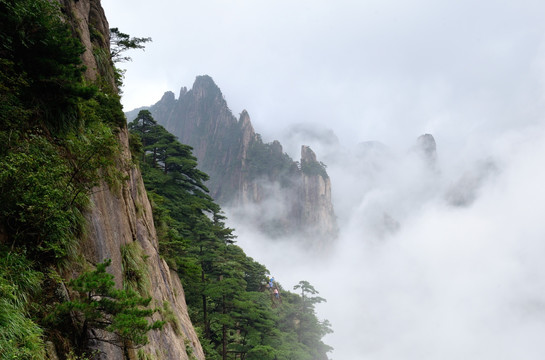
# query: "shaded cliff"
122, 215
315, 195
246, 172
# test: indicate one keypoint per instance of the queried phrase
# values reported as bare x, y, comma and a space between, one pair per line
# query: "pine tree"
121, 313
224, 288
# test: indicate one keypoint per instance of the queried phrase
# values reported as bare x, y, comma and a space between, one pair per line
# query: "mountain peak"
205, 82
168, 97
244, 119
204, 86
244, 116
246, 171
307, 155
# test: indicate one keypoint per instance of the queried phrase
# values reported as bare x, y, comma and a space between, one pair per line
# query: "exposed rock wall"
317, 207
119, 216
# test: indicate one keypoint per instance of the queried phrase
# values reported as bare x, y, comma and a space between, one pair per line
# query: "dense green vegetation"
312, 168
100, 305
266, 160
59, 140
20, 336
229, 301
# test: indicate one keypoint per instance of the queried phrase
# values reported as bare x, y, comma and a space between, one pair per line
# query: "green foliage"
41, 58
268, 161
135, 269
44, 186
309, 329
101, 306
90, 150
107, 107
54, 130
40, 206
262, 352
59, 141
306, 290
168, 317
101, 55
121, 42
189, 350
20, 336
73, 356
144, 355
228, 302
314, 168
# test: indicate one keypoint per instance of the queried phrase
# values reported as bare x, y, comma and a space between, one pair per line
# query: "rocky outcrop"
243, 169
122, 215
316, 206
426, 146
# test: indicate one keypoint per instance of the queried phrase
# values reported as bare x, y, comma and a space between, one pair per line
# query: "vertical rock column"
317, 215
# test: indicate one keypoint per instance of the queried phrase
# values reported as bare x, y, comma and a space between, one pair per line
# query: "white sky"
371, 70
454, 283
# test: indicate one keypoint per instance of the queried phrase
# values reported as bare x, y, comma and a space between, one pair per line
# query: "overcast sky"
371, 70
453, 283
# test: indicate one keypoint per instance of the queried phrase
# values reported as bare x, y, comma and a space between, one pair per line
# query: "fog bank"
451, 280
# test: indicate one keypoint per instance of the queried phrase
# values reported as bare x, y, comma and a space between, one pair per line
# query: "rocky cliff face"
317, 208
123, 216
245, 171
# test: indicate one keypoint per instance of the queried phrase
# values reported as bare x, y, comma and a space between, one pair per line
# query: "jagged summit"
204, 86
204, 81
244, 116
243, 169
168, 97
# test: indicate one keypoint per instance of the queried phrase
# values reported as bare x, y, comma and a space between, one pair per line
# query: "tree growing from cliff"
40, 59
121, 313
121, 42
310, 330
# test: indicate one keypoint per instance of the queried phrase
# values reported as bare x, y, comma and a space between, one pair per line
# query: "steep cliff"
246, 172
121, 216
317, 208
